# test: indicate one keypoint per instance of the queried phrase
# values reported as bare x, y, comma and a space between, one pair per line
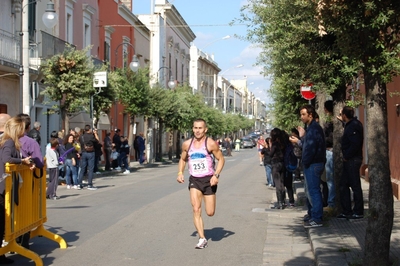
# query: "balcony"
10, 49
52, 45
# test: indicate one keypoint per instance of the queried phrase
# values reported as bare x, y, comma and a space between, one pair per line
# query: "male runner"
199, 152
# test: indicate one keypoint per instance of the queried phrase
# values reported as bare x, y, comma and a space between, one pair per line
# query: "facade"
203, 76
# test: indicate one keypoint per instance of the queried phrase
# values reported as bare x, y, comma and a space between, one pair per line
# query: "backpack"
290, 159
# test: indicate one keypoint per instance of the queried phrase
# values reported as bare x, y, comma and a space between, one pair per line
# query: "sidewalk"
339, 242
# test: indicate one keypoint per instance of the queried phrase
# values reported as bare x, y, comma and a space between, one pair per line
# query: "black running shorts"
202, 184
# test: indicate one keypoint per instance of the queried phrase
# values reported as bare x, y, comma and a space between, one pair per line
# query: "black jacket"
352, 139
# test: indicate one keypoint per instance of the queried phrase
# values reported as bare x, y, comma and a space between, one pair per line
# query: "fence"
25, 205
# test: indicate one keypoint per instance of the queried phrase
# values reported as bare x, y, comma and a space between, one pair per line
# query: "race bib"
199, 166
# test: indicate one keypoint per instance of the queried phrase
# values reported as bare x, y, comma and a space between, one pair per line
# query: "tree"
68, 80
367, 33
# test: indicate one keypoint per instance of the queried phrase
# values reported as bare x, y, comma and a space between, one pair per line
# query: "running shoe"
312, 223
202, 243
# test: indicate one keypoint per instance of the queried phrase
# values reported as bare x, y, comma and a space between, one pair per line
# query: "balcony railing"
10, 48
52, 45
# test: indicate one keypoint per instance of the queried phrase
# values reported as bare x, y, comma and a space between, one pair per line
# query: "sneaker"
312, 223
97, 173
75, 187
291, 204
306, 218
117, 168
68, 186
261, 164
296, 180
127, 172
343, 216
356, 216
55, 198
202, 243
91, 188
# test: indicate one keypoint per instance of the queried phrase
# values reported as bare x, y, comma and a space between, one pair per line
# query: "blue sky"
209, 20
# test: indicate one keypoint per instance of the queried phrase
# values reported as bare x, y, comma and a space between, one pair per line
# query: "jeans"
268, 172
71, 170
330, 179
124, 159
141, 156
351, 179
312, 177
87, 162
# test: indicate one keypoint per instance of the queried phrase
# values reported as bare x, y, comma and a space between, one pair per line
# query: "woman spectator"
260, 146
10, 153
267, 162
70, 162
276, 154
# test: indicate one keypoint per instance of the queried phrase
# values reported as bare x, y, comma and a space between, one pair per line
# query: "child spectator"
52, 169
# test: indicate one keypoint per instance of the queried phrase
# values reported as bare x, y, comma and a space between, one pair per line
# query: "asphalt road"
145, 218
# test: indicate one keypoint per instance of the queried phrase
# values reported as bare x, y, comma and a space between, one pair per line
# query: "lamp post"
171, 83
134, 64
49, 19
220, 39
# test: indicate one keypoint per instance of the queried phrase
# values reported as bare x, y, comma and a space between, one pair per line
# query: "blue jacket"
314, 147
352, 139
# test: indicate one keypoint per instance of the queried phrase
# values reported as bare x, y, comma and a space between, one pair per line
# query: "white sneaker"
126, 172
68, 187
75, 187
97, 173
118, 168
202, 243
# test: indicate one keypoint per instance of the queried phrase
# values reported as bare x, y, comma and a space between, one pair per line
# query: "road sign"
306, 91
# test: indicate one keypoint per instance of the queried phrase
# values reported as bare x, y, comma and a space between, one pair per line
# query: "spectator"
260, 145
117, 144
107, 151
142, 146
87, 141
276, 154
52, 169
124, 154
136, 147
267, 162
71, 175
35, 132
352, 144
11, 129
313, 160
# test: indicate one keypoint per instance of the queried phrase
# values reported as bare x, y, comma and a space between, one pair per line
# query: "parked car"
246, 143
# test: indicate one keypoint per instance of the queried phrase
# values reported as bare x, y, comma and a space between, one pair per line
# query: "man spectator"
141, 146
313, 160
88, 141
136, 148
35, 133
107, 151
352, 144
117, 144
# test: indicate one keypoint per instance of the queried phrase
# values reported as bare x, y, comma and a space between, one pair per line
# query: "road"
145, 218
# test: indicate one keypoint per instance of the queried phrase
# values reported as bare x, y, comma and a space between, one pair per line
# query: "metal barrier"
25, 204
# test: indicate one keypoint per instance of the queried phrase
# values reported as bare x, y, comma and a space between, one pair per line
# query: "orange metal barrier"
25, 204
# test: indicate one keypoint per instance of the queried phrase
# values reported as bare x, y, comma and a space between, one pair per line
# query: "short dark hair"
87, 128
310, 110
200, 120
329, 106
26, 118
348, 111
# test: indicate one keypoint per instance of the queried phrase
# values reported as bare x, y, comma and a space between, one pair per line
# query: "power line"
176, 26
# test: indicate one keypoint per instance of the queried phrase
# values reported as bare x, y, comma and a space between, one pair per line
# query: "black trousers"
351, 179
288, 182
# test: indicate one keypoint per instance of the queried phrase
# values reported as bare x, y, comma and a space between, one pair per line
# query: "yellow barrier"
25, 204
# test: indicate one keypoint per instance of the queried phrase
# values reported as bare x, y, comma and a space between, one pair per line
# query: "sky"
209, 20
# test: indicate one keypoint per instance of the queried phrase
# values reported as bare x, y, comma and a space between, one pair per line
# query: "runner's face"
199, 129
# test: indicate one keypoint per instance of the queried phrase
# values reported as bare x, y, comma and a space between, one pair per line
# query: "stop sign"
306, 91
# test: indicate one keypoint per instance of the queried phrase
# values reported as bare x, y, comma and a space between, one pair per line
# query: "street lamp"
171, 83
220, 39
134, 64
49, 19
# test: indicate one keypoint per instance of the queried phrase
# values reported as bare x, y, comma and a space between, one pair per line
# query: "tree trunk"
339, 103
380, 214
